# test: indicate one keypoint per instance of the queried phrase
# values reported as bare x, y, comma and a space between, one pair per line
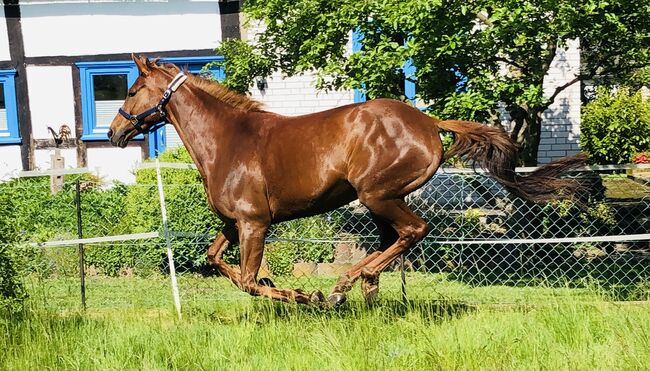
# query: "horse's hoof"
370, 288
336, 299
316, 297
370, 294
265, 281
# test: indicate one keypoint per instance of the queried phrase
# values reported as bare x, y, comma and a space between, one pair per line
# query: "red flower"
641, 158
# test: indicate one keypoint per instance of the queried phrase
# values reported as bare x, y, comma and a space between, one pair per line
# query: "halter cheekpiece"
138, 120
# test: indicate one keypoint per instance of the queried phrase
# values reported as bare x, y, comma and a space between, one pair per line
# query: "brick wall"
297, 95
561, 125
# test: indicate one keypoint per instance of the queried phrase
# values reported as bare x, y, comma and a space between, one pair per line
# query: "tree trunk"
527, 133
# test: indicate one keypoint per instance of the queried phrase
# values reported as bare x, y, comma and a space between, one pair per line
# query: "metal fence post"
403, 278
170, 255
82, 274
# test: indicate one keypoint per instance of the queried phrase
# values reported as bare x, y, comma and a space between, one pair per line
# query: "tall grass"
257, 334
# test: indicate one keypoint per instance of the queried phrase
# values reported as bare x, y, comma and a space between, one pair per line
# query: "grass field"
130, 324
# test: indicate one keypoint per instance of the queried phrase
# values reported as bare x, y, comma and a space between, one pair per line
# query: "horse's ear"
143, 64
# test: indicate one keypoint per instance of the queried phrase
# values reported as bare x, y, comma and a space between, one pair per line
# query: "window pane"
110, 87
3, 109
110, 91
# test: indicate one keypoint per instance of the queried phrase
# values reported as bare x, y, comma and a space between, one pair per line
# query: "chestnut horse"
260, 168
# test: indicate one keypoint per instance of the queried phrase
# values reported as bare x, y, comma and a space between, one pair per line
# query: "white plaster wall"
51, 99
114, 163
43, 160
54, 28
10, 161
4, 39
561, 124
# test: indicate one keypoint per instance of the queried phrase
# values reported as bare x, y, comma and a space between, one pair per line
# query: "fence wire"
474, 243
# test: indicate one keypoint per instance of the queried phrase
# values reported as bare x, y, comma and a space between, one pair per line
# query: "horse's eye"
132, 93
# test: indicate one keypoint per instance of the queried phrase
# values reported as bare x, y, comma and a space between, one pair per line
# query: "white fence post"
170, 256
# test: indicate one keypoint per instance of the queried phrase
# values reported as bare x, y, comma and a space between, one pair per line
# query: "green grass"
130, 324
154, 292
620, 187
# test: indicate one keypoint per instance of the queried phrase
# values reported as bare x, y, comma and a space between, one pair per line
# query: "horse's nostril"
109, 134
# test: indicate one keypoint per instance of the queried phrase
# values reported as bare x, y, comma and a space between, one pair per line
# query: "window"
195, 66
103, 89
8, 109
104, 86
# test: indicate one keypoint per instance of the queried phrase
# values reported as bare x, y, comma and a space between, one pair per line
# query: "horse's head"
144, 106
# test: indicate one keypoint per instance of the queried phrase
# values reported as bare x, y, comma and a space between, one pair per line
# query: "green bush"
289, 245
615, 126
12, 292
280, 257
30, 212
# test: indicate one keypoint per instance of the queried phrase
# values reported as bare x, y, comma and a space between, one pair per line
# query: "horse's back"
316, 162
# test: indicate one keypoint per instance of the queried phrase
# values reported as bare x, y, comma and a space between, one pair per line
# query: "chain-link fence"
484, 245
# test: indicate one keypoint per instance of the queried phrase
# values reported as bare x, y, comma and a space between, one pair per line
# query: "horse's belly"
288, 205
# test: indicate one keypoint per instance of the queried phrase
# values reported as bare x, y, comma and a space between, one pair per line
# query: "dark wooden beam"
60, 60
230, 26
17, 54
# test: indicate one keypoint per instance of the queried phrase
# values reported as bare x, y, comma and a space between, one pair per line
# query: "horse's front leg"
215, 255
251, 244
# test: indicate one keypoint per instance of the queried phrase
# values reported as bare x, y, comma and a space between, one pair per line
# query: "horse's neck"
201, 123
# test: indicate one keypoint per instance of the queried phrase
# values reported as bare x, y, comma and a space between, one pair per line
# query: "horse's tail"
493, 150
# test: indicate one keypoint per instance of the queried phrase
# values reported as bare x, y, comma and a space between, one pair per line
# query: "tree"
471, 57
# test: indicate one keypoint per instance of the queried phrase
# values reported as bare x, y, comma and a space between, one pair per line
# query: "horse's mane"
215, 89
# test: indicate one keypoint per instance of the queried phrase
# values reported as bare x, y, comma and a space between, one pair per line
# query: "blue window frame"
104, 86
103, 89
9, 132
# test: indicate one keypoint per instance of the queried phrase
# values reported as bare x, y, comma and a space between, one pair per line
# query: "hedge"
615, 126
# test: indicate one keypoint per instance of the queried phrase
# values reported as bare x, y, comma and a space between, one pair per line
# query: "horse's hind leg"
251, 237
387, 236
410, 229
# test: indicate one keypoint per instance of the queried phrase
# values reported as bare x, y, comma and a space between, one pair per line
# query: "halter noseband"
138, 120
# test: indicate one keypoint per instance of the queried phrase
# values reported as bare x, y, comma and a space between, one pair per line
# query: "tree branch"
560, 89
512, 63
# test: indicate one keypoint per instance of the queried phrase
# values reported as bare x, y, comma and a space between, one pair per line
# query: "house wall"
10, 160
57, 34
561, 123
52, 28
297, 95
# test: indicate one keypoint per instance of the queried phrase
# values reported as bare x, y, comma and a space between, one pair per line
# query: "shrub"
280, 257
292, 247
615, 126
30, 212
12, 292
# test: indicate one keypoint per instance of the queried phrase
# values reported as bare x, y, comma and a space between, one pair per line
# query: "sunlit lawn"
130, 323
